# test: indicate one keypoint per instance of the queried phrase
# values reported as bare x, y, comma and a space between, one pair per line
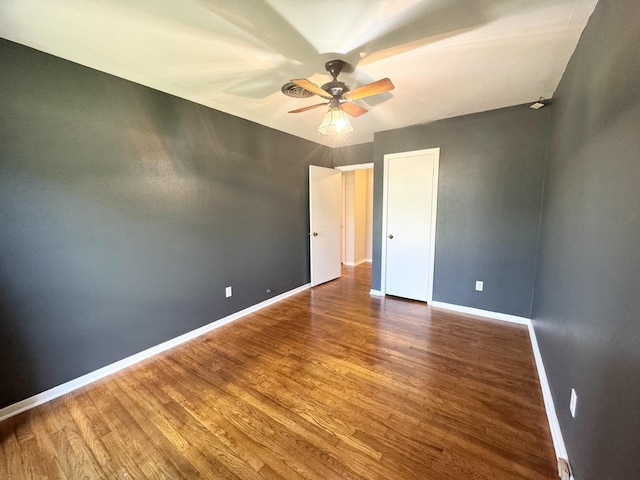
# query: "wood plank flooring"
329, 384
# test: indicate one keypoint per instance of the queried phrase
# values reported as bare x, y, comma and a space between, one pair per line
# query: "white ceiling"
445, 57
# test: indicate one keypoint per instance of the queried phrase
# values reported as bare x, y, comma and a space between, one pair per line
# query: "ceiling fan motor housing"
335, 88
334, 67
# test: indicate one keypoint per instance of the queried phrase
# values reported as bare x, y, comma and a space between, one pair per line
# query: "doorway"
357, 214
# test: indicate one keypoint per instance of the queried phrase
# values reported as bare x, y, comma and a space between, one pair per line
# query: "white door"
409, 224
325, 213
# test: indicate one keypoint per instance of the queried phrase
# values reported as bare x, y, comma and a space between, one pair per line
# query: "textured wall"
353, 155
491, 170
586, 309
125, 212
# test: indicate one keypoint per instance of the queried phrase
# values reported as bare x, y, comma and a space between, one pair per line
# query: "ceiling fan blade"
374, 88
353, 109
311, 87
360, 77
304, 109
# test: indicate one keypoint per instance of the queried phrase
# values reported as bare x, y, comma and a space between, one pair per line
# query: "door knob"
390, 236
315, 234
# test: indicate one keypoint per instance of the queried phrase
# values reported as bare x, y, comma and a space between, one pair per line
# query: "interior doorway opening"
357, 214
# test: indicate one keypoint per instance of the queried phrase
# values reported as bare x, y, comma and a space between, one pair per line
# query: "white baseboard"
552, 417
355, 264
482, 313
91, 377
549, 406
376, 293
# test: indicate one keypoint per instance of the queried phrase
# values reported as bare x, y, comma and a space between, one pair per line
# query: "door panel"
325, 213
409, 196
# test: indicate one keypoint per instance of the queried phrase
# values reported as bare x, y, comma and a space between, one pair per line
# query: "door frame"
434, 211
343, 169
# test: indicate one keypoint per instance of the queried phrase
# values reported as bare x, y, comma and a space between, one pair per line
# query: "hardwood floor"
329, 384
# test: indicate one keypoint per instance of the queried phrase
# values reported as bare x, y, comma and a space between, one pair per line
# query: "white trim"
360, 262
434, 213
383, 245
359, 166
434, 218
343, 219
482, 313
549, 406
91, 377
376, 293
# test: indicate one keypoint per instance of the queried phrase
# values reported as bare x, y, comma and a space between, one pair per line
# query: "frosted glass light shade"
335, 121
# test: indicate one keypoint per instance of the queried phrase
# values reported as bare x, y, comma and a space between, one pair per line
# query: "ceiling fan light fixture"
340, 97
335, 121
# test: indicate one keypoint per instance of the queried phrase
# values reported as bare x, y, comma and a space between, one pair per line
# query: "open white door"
325, 212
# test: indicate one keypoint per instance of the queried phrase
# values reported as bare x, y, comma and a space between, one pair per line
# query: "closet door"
409, 224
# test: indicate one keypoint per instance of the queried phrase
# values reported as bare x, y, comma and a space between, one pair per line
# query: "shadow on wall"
15, 381
598, 418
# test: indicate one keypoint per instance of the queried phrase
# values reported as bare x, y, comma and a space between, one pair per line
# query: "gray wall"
125, 212
491, 171
353, 154
587, 305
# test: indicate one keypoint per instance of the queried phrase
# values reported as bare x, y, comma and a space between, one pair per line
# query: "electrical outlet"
227, 292
479, 285
573, 402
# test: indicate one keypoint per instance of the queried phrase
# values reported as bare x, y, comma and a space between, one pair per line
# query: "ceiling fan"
339, 96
